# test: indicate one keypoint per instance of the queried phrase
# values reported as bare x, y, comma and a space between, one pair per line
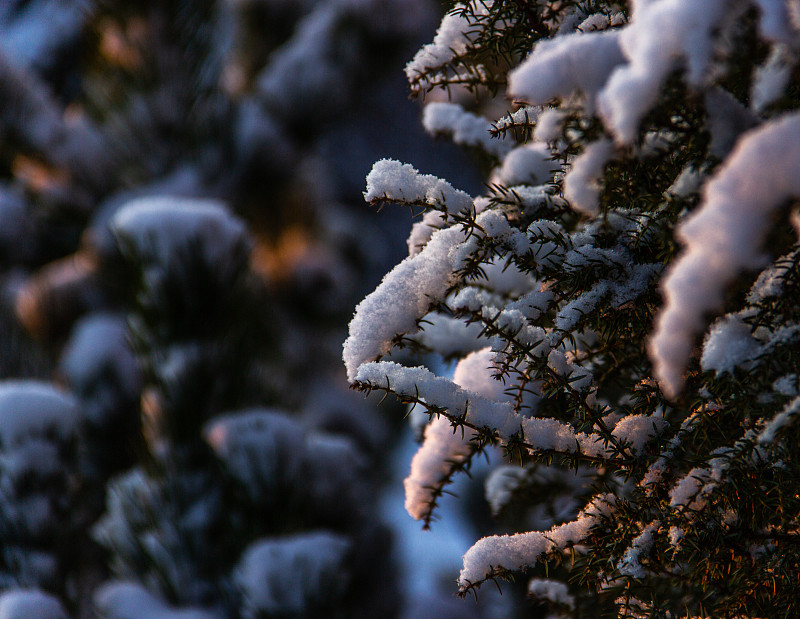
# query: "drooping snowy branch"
723, 238
493, 555
392, 181
405, 294
466, 129
446, 448
478, 412
660, 36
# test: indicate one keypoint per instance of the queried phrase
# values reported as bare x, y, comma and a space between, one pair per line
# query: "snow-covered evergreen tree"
622, 300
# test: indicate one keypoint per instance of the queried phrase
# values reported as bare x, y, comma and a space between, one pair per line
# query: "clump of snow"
392, 180
525, 549
632, 284
445, 446
505, 278
501, 484
595, 21
395, 181
688, 182
774, 22
727, 120
637, 430
675, 535
786, 385
659, 36
692, 490
30, 604
729, 344
475, 372
780, 421
630, 564
566, 64
453, 38
551, 591
772, 78
297, 576
581, 187
550, 125
722, 238
531, 164
477, 410
448, 336
525, 115
770, 281
466, 129
404, 295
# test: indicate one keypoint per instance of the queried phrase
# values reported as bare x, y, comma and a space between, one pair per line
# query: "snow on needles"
445, 446
524, 549
453, 38
581, 184
558, 67
722, 238
540, 433
660, 34
393, 181
466, 128
404, 295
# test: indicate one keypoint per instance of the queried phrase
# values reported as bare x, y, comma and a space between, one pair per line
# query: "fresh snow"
477, 410
465, 128
551, 591
729, 344
722, 238
531, 164
404, 295
454, 36
561, 66
660, 35
445, 446
780, 421
525, 549
394, 181
630, 564
771, 78
581, 184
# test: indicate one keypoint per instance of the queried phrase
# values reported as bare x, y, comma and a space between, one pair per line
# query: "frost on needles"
642, 194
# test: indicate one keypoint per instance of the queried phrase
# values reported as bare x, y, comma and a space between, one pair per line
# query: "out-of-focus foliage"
179, 253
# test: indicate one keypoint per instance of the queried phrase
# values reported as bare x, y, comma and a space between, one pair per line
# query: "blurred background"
183, 239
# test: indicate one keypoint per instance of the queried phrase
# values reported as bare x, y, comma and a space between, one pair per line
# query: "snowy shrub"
641, 193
